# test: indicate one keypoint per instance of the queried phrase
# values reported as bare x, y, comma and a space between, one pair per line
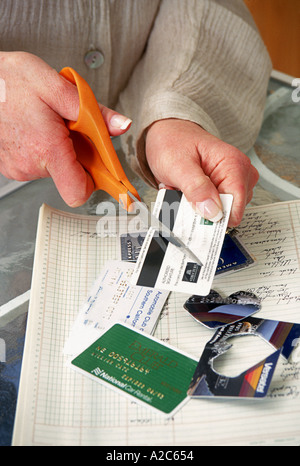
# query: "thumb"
201, 192
73, 183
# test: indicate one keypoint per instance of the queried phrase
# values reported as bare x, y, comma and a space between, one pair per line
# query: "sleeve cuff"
159, 107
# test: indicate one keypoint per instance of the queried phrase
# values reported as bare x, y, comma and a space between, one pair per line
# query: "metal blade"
162, 229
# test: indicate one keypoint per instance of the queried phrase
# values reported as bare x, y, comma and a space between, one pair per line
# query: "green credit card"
140, 366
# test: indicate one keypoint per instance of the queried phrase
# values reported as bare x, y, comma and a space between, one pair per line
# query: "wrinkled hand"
34, 140
182, 155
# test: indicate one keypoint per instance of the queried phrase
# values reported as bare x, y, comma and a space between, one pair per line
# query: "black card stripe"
171, 198
158, 246
153, 261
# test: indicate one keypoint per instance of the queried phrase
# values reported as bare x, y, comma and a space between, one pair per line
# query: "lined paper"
57, 406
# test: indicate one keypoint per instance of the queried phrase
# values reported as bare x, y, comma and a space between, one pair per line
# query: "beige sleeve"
205, 62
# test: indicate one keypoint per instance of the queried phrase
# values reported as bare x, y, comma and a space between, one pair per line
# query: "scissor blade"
162, 229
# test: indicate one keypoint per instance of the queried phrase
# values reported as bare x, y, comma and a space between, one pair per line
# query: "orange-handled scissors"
93, 145
96, 153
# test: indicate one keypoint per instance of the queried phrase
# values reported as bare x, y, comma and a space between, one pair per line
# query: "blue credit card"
233, 255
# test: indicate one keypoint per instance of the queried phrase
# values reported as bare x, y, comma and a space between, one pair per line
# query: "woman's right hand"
34, 140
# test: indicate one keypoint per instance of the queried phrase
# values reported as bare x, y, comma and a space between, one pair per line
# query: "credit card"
234, 256
113, 299
131, 244
147, 370
162, 265
252, 383
214, 311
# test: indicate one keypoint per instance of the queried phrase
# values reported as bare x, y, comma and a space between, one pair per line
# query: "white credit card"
162, 265
113, 299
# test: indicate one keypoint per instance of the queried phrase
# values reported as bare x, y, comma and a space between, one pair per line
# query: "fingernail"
209, 210
161, 186
165, 186
120, 122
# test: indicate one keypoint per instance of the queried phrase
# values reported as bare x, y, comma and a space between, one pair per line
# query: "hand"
183, 155
34, 140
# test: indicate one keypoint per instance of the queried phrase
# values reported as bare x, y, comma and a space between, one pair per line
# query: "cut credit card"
139, 366
252, 383
113, 299
162, 265
234, 256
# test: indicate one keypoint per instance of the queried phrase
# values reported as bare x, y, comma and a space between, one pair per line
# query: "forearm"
210, 68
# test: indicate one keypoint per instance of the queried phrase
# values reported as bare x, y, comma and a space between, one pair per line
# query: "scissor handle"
90, 123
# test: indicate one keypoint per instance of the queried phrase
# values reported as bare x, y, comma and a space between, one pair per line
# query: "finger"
74, 184
243, 194
199, 190
236, 215
116, 123
62, 96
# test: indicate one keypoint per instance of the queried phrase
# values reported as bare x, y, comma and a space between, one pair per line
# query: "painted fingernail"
165, 186
162, 186
120, 122
209, 210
